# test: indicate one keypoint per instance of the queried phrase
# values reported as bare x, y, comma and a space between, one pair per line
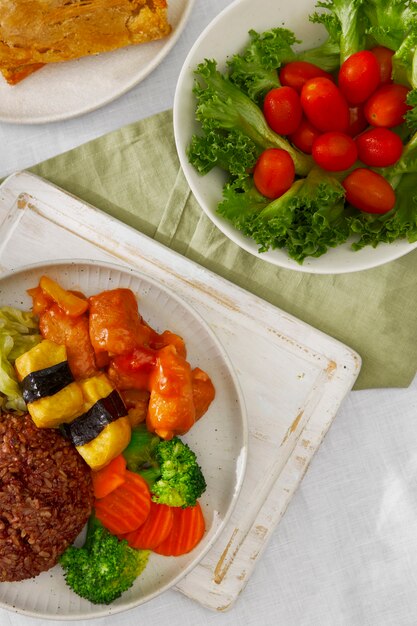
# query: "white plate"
61, 91
227, 35
219, 438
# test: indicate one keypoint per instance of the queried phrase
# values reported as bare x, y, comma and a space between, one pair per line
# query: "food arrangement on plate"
317, 144
94, 402
37, 33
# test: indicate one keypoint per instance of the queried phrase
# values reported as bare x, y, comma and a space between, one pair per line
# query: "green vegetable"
346, 33
104, 567
411, 115
388, 23
230, 150
169, 467
255, 71
18, 334
223, 107
401, 222
306, 220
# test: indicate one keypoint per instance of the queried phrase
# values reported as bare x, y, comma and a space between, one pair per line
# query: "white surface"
287, 419
224, 426
345, 553
60, 91
225, 36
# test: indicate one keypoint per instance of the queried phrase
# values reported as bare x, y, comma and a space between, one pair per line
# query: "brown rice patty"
46, 497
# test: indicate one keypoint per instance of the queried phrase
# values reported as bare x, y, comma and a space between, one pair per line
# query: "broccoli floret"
169, 467
104, 567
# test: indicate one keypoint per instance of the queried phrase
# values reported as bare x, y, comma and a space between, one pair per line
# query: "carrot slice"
109, 477
154, 531
126, 507
70, 303
187, 529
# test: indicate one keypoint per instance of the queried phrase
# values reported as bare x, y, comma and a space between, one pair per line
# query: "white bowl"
226, 35
219, 438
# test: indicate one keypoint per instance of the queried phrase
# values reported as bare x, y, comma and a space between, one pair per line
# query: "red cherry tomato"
303, 138
368, 191
282, 110
359, 77
334, 151
379, 147
357, 121
387, 106
274, 173
384, 57
324, 105
296, 73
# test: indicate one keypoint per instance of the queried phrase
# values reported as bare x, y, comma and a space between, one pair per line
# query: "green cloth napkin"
134, 174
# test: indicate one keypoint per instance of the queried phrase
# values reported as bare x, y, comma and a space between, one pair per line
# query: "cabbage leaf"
18, 333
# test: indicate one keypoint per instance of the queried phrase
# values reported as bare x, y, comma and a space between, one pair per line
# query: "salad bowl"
219, 438
225, 36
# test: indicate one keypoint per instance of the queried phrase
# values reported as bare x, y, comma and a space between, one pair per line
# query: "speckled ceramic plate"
219, 438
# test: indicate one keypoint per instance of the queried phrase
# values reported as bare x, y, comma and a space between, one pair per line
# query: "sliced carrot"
70, 303
109, 477
187, 529
154, 531
127, 507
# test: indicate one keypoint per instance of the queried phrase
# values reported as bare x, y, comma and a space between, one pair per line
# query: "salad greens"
223, 107
312, 215
18, 333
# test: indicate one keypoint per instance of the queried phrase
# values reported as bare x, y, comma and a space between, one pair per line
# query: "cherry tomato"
296, 73
334, 151
274, 173
324, 105
303, 138
384, 57
357, 121
379, 147
359, 77
368, 191
387, 106
282, 110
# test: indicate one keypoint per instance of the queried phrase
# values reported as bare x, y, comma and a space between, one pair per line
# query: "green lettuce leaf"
255, 71
306, 220
18, 333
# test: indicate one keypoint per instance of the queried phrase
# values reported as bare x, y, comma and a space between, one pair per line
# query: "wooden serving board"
293, 377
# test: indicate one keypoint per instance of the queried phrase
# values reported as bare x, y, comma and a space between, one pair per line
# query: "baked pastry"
36, 32
14, 75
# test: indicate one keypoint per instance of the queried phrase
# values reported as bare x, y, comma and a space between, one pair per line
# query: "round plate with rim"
226, 35
61, 91
219, 438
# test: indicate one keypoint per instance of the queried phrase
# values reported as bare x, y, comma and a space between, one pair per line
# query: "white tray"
293, 376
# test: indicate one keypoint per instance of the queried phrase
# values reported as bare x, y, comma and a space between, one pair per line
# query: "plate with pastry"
63, 58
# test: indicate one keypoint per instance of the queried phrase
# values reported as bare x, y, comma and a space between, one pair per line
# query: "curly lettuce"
307, 220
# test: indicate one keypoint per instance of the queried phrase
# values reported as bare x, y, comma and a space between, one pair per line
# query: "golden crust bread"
35, 32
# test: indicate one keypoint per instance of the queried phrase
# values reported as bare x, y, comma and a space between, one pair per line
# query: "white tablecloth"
345, 554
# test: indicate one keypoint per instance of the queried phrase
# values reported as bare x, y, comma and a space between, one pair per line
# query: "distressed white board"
293, 376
